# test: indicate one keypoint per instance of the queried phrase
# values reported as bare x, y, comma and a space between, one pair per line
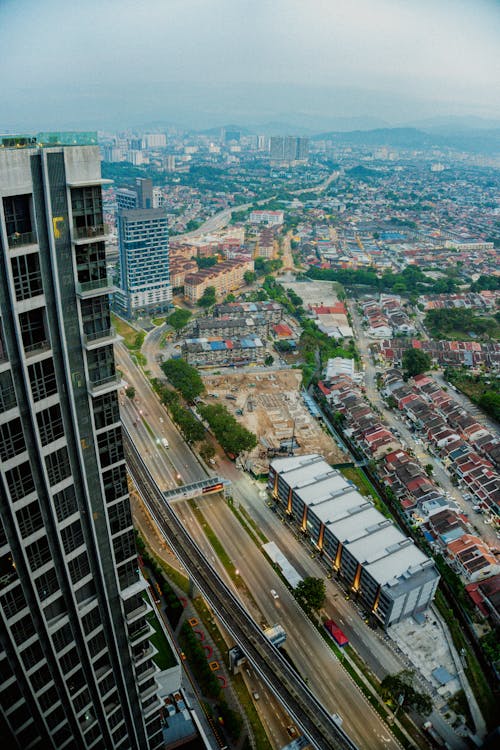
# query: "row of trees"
411, 280
231, 435
191, 428
184, 378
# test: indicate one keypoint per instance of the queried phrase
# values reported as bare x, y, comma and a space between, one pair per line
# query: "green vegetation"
206, 451
315, 347
485, 282
197, 658
264, 267
185, 378
310, 593
232, 436
249, 277
399, 688
482, 389
179, 318
460, 324
206, 261
411, 279
164, 658
416, 361
133, 339
158, 321
191, 428
475, 674
359, 478
130, 392
208, 298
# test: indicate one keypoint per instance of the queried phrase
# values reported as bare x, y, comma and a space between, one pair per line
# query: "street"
312, 657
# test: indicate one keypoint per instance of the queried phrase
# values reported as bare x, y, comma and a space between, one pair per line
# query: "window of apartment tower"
86, 205
7, 393
27, 276
42, 379
18, 221
34, 330
91, 261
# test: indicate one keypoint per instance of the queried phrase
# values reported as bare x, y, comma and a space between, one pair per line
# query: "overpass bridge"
202, 487
289, 688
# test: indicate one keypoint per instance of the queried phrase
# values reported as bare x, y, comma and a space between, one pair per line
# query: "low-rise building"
224, 277
271, 218
384, 569
271, 311
204, 352
230, 327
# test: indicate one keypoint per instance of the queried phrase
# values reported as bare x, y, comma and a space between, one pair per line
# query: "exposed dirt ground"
270, 403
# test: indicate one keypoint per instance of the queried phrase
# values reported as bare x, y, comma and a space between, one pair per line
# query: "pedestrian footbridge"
203, 487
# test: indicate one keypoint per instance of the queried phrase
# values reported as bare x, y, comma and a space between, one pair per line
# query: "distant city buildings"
288, 150
144, 281
272, 218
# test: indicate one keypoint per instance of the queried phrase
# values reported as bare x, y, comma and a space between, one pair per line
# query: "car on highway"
164, 442
275, 594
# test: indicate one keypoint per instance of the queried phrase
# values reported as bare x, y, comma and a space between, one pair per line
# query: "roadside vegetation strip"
475, 675
248, 524
236, 680
221, 553
375, 700
133, 338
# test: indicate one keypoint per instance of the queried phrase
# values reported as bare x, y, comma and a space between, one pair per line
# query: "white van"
164, 442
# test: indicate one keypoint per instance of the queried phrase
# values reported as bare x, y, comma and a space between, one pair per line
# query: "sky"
203, 63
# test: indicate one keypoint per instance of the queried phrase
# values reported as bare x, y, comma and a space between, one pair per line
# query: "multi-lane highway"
326, 677
314, 720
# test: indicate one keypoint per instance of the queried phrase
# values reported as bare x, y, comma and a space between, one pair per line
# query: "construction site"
273, 406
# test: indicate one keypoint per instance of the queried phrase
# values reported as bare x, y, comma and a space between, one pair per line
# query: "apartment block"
383, 568
76, 664
224, 277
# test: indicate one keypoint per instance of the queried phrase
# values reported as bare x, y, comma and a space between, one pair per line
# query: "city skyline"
201, 64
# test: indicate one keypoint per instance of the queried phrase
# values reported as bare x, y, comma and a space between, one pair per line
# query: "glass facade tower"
76, 668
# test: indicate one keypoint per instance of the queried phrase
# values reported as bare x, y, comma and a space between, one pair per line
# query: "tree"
429, 469
232, 436
208, 298
310, 593
269, 360
416, 361
207, 451
230, 298
179, 318
399, 687
249, 277
184, 377
130, 392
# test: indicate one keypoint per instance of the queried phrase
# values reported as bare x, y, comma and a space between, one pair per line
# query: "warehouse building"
384, 568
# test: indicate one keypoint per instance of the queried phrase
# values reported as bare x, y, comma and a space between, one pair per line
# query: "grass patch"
158, 321
133, 339
221, 552
165, 657
358, 478
249, 525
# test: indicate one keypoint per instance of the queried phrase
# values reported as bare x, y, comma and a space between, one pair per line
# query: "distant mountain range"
470, 134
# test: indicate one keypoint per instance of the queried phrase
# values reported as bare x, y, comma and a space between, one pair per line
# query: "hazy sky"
206, 62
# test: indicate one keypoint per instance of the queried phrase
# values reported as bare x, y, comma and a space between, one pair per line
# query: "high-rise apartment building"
288, 150
144, 252
76, 668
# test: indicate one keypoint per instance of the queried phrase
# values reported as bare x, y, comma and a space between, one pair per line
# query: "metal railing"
91, 232
106, 282
94, 385
22, 238
37, 348
106, 333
